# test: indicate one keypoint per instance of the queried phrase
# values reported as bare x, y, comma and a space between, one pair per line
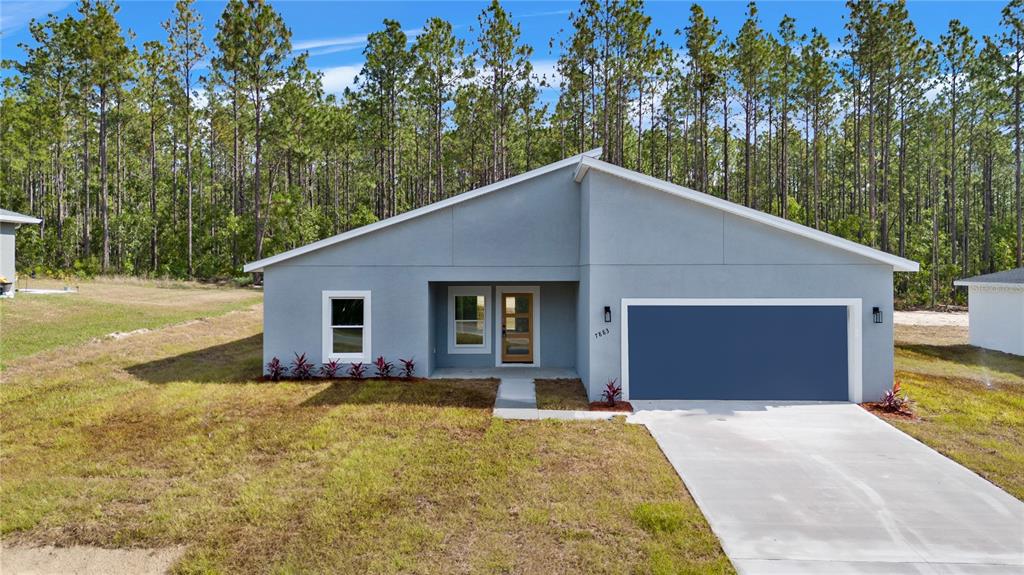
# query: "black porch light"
607, 314
877, 314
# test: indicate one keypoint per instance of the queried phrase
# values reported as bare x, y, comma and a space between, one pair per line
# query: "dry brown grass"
165, 438
930, 335
32, 323
561, 394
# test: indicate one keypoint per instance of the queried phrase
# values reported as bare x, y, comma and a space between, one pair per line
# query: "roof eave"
259, 265
1001, 285
19, 220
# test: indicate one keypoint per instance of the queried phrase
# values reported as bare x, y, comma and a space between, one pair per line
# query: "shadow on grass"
971, 356
233, 362
470, 393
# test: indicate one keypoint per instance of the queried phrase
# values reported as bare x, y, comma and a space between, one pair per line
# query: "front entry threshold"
504, 371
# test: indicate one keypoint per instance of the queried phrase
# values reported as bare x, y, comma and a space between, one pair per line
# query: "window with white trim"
468, 328
346, 326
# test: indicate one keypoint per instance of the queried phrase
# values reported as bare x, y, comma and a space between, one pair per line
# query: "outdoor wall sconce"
608, 314
877, 313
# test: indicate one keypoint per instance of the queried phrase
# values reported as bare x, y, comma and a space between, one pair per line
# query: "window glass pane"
517, 346
522, 304
469, 307
469, 332
347, 340
347, 311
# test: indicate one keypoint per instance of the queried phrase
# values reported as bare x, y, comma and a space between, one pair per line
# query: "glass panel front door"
517, 328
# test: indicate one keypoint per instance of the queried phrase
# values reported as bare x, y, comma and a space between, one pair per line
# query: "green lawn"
970, 403
31, 323
166, 438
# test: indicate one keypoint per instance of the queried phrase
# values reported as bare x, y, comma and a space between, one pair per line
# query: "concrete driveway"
829, 488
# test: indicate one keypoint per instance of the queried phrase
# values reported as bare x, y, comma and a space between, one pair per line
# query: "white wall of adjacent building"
997, 318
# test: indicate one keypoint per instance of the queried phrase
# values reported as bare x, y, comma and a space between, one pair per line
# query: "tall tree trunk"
154, 232
104, 199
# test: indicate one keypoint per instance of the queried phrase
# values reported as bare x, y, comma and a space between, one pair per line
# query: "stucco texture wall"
527, 234
7, 235
591, 244
997, 318
644, 243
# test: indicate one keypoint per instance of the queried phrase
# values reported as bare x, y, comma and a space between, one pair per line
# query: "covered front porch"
494, 329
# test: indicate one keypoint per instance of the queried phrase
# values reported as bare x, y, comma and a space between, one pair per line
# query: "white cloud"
547, 70
17, 15
352, 41
541, 14
337, 78
321, 46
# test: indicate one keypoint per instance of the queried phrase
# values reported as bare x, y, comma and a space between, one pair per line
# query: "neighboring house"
996, 310
585, 265
9, 223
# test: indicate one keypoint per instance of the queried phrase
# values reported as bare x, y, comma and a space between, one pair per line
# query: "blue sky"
334, 32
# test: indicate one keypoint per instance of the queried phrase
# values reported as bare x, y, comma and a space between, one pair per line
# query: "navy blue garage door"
737, 352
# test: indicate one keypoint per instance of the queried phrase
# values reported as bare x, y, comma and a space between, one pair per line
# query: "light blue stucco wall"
600, 241
644, 243
527, 234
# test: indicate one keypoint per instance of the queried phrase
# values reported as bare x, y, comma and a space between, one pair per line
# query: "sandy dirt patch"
930, 318
83, 560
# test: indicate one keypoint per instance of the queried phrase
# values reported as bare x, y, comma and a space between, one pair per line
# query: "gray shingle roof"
16, 218
1015, 276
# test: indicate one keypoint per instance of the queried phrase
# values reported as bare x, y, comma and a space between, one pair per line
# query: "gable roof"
898, 264
585, 162
1006, 278
9, 217
422, 211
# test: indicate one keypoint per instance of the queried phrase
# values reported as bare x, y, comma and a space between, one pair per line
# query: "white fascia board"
260, 264
898, 264
999, 285
19, 219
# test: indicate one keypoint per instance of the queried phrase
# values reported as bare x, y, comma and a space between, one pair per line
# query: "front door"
517, 328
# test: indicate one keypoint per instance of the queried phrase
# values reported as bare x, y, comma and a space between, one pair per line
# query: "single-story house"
9, 223
585, 265
995, 309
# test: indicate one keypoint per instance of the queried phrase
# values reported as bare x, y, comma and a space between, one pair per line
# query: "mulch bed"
317, 379
877, 409
623, 406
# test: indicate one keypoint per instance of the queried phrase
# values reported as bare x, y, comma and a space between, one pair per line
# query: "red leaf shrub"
384, 368
275, 370
612, 391
893, 402
408, 367
357, 371
330, 369
301, 368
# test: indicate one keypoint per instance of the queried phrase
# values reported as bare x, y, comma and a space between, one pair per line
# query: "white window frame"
854, 339
327, 335
457, 348
499, 298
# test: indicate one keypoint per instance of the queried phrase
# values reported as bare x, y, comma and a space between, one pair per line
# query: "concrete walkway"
83, 560
829, 488
517, 399
517, 396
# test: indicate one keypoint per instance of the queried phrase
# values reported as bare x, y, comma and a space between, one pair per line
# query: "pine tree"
185, 50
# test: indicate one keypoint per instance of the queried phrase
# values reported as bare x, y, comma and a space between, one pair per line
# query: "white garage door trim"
854, 342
